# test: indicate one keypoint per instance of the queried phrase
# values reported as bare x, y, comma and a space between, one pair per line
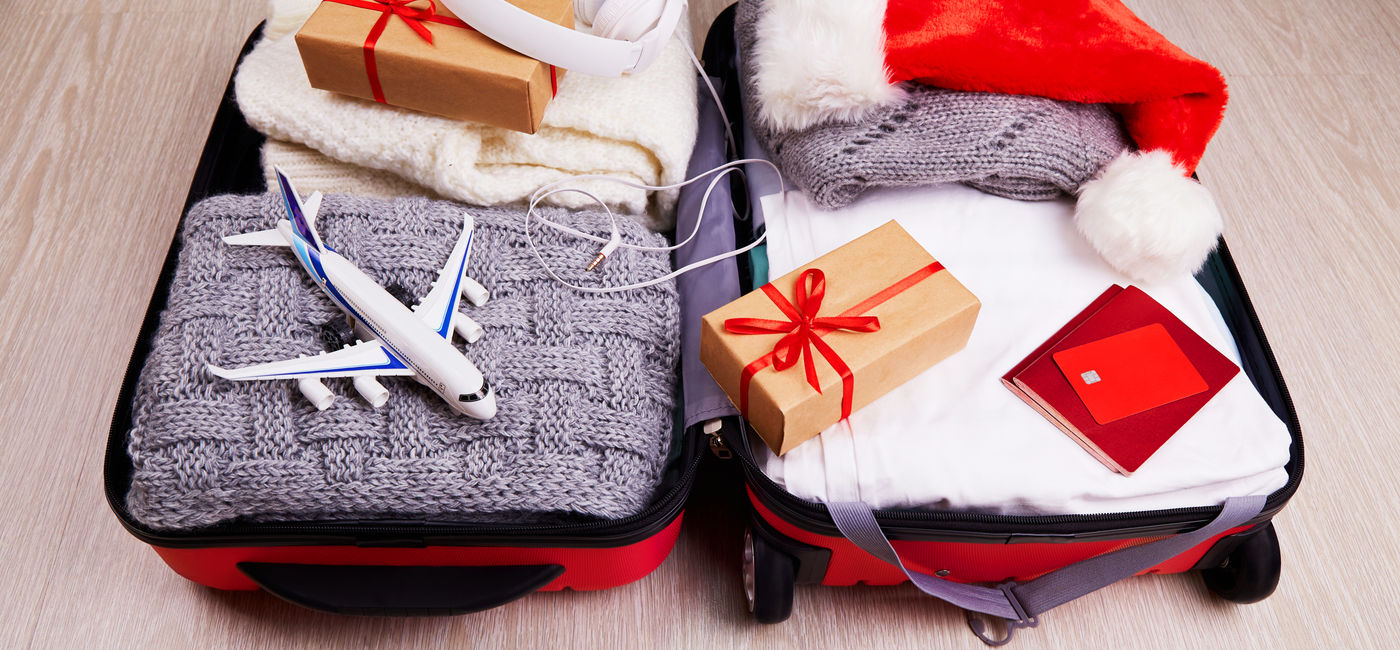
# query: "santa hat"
834, 60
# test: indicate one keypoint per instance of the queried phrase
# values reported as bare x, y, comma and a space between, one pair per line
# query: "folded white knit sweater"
640, 127
318, 173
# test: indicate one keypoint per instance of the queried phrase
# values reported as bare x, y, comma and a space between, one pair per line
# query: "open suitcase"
406, 568
385, 567
790, 540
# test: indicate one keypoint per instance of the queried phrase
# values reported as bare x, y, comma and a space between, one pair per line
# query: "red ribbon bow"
804, 330
412, 16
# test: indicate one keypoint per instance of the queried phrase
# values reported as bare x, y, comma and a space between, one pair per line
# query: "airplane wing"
439, 308
364, 358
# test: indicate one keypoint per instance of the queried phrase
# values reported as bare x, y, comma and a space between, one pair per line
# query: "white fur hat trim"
821, 60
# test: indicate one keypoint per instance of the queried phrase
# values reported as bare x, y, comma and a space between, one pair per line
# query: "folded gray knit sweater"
584, 383
1016, 146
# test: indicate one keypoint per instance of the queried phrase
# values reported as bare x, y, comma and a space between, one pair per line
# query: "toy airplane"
396, 341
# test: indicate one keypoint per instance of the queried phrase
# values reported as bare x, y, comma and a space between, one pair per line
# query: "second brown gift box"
881, 308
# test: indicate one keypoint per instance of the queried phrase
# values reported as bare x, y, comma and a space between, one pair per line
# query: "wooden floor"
104, 109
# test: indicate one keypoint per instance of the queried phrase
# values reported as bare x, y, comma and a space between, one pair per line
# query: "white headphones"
629, 34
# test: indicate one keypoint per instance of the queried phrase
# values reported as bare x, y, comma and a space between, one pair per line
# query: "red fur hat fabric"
822, 60
1090, 51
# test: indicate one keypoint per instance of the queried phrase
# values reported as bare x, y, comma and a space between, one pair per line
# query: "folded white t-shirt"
955, 437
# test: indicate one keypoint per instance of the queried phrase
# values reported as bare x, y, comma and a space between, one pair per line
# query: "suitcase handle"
399, 590
1021, 603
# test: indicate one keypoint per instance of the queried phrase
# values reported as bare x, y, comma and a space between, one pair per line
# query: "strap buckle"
1023, 618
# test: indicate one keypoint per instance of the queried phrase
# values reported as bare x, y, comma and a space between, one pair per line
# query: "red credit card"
1128, 373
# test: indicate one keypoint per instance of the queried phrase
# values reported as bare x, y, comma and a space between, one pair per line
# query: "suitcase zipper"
717, 444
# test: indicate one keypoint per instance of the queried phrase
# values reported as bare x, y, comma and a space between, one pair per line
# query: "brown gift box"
462, 74
930, 319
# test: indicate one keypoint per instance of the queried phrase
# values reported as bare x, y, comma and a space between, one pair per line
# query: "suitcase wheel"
1250, 573
769, 575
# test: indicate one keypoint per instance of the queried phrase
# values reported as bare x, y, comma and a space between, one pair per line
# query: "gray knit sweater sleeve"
1016, 146
584, 384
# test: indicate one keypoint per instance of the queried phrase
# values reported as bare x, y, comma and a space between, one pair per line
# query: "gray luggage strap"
1021, 603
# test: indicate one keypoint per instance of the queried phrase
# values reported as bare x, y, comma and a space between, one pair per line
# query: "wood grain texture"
104, 113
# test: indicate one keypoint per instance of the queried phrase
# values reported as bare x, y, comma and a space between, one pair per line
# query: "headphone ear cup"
627, 20
587, 9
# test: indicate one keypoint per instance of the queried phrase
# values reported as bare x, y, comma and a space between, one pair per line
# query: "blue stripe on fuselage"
311, 261
392, 364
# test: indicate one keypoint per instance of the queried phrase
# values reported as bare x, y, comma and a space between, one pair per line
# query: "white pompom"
1147, 218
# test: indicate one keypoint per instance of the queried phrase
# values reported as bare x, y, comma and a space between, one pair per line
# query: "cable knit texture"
1016, 146
584, 384
639, 127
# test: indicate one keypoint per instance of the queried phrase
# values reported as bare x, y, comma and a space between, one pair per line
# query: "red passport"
1121, 377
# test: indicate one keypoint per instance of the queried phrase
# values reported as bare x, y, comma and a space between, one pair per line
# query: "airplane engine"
316, 393
374, 392
474, 292
469, 329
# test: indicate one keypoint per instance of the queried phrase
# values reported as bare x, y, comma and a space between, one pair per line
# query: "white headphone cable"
724, 117
614, 242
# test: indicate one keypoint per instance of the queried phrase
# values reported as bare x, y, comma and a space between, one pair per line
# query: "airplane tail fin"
303, 218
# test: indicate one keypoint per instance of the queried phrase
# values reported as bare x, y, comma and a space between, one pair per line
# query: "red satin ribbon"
415, 19
804, 330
